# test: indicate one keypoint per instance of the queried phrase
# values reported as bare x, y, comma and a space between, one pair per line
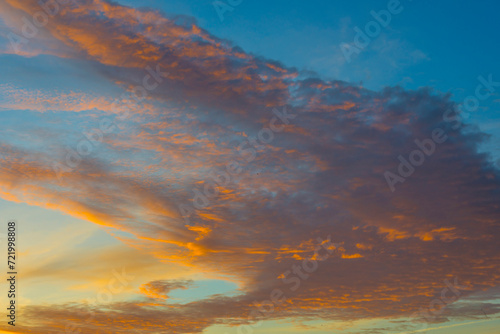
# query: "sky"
247, 167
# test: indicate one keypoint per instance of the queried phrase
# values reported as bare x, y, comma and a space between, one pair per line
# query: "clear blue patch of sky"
202, 289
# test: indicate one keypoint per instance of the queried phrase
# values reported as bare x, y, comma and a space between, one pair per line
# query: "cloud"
160, 289
322, 175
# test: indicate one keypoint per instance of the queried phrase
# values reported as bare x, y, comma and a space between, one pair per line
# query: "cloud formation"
321, 175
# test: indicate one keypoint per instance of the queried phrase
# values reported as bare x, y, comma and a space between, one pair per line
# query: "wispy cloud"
323, 175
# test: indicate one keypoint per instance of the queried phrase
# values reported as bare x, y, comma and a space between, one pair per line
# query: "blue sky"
255, 145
